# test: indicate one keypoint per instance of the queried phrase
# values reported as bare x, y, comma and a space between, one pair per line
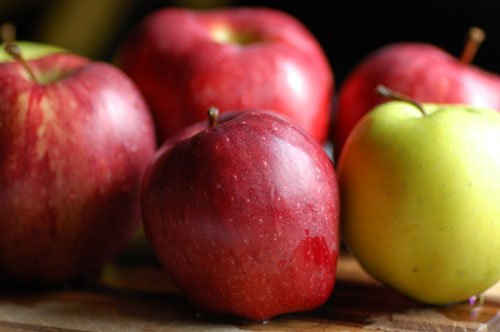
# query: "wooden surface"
142, 298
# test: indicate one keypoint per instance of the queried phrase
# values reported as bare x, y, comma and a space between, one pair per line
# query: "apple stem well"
389, 93
213, 116
475, 38
8, 32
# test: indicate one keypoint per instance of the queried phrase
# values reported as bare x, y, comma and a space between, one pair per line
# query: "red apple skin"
245, 216
421, 71
72, 154
182, 71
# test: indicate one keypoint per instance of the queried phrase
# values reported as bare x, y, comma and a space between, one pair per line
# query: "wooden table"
143, 298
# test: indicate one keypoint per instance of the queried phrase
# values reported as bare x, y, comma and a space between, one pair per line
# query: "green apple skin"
420, 199
30, 51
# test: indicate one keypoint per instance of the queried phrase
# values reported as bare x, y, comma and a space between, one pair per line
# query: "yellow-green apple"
419, 198
186, 61
422, 71
75, 139
244, 215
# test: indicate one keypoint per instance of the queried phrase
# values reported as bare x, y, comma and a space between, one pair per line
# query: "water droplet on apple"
476, 300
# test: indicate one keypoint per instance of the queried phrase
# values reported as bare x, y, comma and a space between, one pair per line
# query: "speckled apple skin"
72, 154
420, 197
245, 217
421, 71
181, 70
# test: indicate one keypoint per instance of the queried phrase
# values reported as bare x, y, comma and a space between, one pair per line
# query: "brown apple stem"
8, 33
14, 51
475, 38
213, 116
389, 93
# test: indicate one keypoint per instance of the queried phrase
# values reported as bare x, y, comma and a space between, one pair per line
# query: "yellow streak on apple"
48, 117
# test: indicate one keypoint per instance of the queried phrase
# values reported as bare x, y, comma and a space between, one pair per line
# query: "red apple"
186, 61
73, 147
244, 216
421, 71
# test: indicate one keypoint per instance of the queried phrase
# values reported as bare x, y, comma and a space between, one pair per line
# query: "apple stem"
475, 38
389, 93
213, 116
8, 32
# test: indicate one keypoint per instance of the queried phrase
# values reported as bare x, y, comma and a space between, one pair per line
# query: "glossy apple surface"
186, 61
419, 199
244, 216
73, 148
424, 72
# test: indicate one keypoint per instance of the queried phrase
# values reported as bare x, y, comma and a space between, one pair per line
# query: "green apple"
420, 199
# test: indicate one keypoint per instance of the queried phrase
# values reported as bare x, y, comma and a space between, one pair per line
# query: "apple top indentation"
225, 34
30, 51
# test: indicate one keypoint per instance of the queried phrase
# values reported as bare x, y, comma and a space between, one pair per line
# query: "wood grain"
143, 298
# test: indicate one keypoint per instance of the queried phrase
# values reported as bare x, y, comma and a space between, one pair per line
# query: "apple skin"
267, 60
244, 216
419, 199
421, 71
72, 154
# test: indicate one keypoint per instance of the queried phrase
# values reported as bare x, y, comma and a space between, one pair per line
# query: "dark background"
347, 30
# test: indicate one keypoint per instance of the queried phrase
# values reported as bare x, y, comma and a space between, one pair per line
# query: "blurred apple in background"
185, 61
244, 215
419, 198
421, 71
75, 138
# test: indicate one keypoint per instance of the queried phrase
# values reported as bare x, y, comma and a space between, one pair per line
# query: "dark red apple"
73, 147
244, 216
421, 71
186, 61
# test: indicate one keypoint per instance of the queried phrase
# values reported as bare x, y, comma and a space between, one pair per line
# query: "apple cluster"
244, 209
